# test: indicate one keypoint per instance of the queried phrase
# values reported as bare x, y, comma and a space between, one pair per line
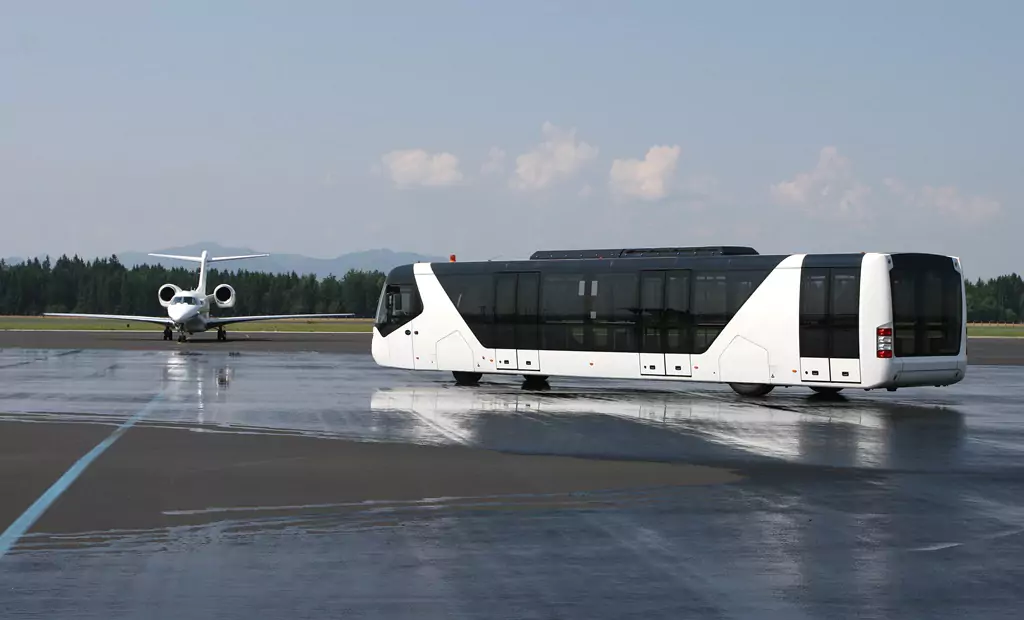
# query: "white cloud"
946, 200
495, 161
650, 178
418, 167
561, 155
830, 188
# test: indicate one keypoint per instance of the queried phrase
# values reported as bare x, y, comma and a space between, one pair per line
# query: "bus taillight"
883, 337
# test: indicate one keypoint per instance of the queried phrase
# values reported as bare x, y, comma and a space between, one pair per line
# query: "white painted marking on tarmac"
938, 546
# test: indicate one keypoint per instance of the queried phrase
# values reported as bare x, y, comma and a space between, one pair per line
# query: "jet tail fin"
205, 260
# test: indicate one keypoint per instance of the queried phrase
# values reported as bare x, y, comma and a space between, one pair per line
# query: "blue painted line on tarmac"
22, 524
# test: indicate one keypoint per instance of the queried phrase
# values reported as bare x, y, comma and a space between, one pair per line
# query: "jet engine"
167, 292
224, 295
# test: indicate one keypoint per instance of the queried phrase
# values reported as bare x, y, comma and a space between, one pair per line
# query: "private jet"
188, 312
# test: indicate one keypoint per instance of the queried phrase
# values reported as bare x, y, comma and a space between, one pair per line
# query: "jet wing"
227, 320
115, 317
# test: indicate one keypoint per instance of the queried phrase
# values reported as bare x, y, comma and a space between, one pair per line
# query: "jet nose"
182, 313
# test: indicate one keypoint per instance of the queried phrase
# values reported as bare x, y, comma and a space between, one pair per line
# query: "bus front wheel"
751, 389
466, 378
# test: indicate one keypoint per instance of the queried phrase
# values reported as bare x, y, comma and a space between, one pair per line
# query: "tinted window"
528, 311
614, 312
814, 292
593, 308
742, 285
473, 297
652, 294
710, 295
677, 313
814, 323
830, 312
710, 308
562, 311
505, 311
844, 298
927, 299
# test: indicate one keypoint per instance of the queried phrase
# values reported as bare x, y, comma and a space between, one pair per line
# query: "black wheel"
827, 391
751, 389
535, 382
466, 378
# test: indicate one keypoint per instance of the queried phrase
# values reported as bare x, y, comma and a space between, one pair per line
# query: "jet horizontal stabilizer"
194, 259
216, 259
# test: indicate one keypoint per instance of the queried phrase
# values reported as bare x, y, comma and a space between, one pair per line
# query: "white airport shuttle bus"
702, 314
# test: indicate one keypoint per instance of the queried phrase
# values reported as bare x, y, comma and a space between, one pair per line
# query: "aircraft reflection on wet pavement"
186, 368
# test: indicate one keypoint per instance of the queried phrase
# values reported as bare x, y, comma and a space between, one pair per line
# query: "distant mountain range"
368, 260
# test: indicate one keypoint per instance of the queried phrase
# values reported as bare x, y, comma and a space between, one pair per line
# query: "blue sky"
789, 126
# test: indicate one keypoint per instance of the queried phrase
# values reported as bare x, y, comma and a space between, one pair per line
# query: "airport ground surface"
267, 478
983, 350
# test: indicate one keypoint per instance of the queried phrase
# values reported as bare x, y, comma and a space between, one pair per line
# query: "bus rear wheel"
466, 378
751, 389
827, 391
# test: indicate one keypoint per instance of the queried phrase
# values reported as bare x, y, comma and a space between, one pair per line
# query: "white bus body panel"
652, 364
662, 364
760, 344
678, 364
875, 312
529, 359
506, 359
815, 370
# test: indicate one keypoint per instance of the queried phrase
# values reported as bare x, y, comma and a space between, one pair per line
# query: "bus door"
400, 305
665, 341
516, 321
829, 320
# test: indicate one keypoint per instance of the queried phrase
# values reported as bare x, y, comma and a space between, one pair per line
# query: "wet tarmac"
241, 484
124, 340
981, 351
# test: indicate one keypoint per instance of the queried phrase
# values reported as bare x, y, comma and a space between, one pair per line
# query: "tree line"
106, 286
997, 300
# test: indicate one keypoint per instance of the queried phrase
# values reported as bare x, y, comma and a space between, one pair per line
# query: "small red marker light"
451, 259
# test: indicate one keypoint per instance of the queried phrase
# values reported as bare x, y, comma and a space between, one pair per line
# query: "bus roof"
708, 250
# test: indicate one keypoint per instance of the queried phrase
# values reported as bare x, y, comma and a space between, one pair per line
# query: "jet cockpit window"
183, 300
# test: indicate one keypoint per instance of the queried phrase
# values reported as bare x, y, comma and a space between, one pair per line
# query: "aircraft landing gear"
167, 333
221, 334
182, 336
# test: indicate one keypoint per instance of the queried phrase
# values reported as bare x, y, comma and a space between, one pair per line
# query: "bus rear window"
927, 297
